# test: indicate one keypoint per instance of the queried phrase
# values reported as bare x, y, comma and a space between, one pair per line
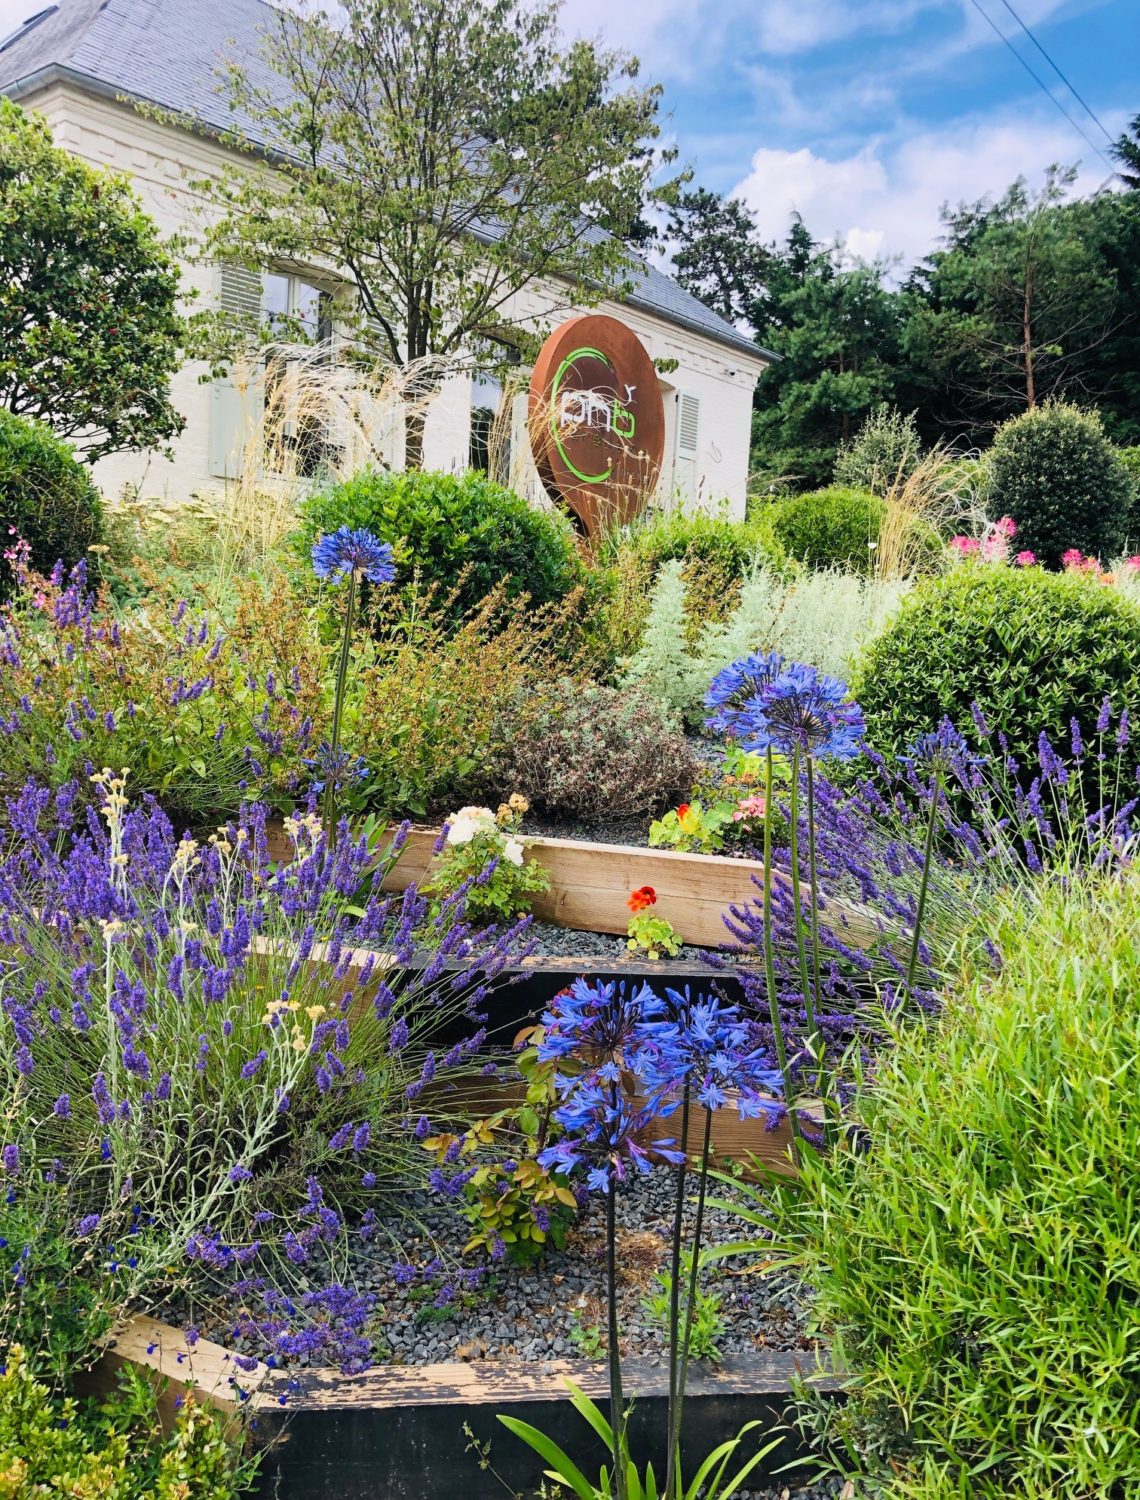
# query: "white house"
85, 64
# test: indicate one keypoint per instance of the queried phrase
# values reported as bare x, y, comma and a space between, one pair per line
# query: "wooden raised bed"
590, 884
397, 1431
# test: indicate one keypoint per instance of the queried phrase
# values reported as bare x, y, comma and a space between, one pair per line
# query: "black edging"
398, 1433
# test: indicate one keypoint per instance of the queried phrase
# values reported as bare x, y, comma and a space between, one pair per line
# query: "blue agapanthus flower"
736, 685
706, 1043
342, 552
944, 748
802, 709
603, 1130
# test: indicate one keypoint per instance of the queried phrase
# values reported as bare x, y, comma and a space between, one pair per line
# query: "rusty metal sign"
596, 419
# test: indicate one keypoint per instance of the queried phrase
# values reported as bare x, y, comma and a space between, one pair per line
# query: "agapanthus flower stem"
924, 883
770, 966
617, 1400
817, 991
675, 1292
694, 1276
814, 1039
329, 809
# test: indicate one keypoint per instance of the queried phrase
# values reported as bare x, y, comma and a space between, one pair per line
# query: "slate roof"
168, 53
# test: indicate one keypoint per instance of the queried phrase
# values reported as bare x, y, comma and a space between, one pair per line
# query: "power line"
1041, 83
1087, 108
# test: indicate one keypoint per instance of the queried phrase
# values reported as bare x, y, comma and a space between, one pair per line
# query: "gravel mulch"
555, 1309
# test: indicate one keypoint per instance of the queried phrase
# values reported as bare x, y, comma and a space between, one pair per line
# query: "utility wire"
1087, 109
1041, 84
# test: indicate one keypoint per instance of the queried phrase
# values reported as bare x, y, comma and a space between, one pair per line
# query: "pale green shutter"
236, 398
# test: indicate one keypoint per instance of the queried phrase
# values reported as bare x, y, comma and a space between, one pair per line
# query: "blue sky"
866, 115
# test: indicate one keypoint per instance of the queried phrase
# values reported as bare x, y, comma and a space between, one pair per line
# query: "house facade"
85, 66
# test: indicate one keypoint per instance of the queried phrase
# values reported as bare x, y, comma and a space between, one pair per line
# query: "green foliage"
832, 528
713, 556
883, 452
89, 345
524, 1211
652, 936
587, 1338
54, 1446
46, 497
475, 837
1034, 650
819, 618
692, 827
708, 1324
975, 1262
1055, 472
836, 328
586, 751
61, 1302
1130, 458
460, 532
496, 120
711, 1480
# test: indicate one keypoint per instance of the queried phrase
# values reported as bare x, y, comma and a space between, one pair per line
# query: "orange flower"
644, 896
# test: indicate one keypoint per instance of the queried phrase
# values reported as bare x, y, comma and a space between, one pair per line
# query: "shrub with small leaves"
46, 498
588, 752
1034, 650
461, 532
883, 452
53, 1445
836, 527
1055, 472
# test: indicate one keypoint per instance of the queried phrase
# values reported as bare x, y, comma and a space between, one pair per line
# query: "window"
486, 444
297, 311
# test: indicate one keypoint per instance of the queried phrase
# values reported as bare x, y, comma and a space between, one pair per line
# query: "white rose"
513, 851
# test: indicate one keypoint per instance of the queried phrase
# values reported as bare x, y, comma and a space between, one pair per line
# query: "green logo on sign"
587, 409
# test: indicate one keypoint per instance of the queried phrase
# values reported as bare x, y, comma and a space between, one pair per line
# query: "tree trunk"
414, 419
1027, 342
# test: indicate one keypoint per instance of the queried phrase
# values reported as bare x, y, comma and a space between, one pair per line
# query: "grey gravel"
555, 1309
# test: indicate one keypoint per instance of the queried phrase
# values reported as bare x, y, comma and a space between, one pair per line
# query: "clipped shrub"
590, 752
977, 1263
832, 528
1055, 472
1130, 458
462, 532
46, 497
883, 452
1034, 650
53, 1445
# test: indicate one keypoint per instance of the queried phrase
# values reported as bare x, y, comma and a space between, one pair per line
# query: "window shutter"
236, 398
687, 443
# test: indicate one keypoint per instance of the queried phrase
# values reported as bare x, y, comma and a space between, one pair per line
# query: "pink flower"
1132, 564
1006, 527
1025, 559
966, 545
1072, 561
995, 547
749, 807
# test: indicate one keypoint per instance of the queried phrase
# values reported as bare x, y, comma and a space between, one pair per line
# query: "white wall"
162, 160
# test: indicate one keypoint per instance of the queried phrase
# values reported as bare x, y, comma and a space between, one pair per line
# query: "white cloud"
885, 198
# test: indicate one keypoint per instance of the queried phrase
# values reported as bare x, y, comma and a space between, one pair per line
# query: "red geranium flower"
682, 809
644, 896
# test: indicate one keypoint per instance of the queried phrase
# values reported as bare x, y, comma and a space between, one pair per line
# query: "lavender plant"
625, 1059
210, 1065
769, 706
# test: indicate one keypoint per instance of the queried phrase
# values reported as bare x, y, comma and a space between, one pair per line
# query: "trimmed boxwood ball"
835, 528
46, 497
977, 1263
1035, 650
1055, 472
443, 524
